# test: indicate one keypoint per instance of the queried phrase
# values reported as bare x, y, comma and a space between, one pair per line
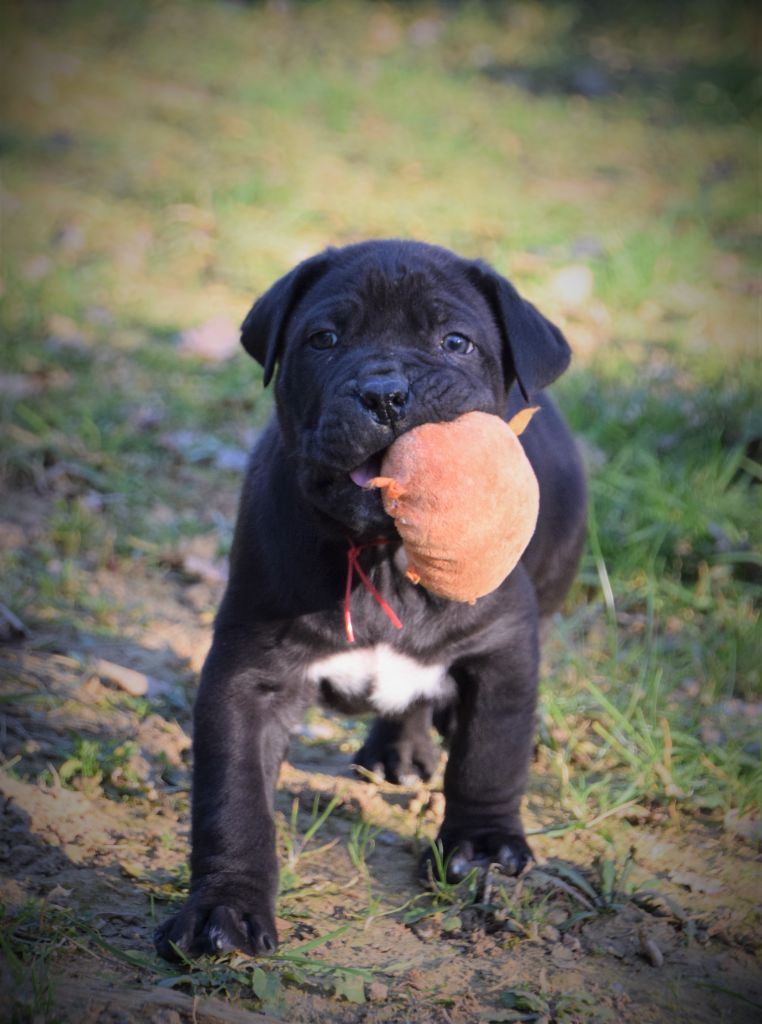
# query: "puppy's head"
376, 338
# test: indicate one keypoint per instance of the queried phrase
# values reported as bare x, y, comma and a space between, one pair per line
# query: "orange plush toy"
464, 499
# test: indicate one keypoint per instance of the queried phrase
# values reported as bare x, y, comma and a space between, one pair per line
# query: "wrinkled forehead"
412, 293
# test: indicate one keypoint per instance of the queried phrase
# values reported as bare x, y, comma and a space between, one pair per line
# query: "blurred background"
164, 162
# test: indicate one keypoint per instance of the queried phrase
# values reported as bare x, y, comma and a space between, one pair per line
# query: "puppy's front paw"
509, 853
197, 930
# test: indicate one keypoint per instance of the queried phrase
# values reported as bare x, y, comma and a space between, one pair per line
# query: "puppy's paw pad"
262, 935
513, 855
401, 763
215, 931
175, 937
509, 854
225, 931
228, 929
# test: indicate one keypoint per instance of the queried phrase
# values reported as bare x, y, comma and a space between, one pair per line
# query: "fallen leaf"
19, 385
216, 340
203, 569
349, 986
137, 684
747, 826
132, 869
58, 892
695, 882
573, 285
11, 626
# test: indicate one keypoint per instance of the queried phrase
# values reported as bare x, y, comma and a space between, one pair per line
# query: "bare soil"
103, 859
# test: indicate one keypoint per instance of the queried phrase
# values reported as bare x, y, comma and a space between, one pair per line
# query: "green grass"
675, 557
152, 181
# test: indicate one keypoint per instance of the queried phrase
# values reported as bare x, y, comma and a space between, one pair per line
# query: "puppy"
371, 340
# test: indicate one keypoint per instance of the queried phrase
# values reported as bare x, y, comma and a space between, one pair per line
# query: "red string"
353, 565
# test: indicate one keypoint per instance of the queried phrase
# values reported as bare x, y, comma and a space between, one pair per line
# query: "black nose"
385, 397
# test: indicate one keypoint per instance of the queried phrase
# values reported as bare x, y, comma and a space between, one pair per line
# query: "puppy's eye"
324, 339
458, 344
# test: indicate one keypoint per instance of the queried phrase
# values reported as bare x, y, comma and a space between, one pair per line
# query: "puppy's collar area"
353, 566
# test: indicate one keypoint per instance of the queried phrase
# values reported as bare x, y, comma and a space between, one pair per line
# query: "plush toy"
464, 499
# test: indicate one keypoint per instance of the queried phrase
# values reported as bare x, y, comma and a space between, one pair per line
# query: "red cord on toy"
353, 564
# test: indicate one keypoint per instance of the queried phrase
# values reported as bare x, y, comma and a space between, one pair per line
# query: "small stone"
425, 930
377, 992
562, 955
436, 804
557, 917
164, 1015
649, 949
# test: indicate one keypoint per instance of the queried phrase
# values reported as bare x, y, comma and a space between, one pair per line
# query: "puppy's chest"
380, 677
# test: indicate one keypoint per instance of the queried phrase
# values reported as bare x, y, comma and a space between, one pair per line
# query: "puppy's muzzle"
385, 398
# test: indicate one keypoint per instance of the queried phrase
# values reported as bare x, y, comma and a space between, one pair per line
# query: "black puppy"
372, 340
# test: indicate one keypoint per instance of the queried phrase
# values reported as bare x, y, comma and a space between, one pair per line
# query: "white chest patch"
388, 680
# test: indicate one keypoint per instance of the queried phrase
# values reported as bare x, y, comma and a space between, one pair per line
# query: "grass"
151, 183
675, 555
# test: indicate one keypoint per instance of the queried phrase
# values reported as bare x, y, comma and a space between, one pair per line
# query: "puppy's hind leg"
401, 749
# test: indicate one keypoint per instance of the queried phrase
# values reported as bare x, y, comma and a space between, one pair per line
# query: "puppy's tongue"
369, 469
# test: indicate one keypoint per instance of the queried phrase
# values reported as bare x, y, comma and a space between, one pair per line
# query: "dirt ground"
164, 163
90, 862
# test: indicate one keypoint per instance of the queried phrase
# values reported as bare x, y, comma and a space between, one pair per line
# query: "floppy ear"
535, 347
263, 329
